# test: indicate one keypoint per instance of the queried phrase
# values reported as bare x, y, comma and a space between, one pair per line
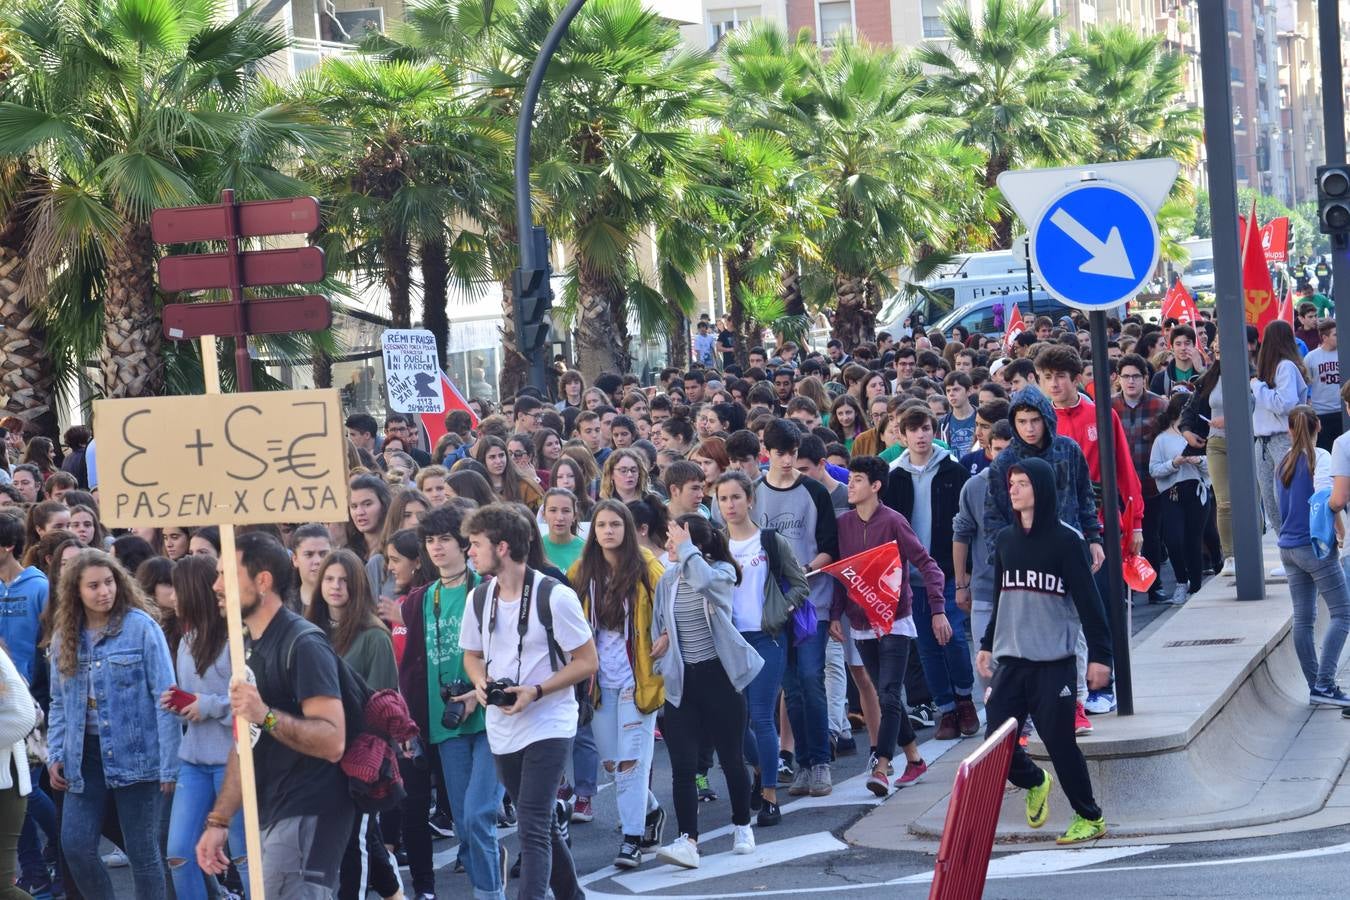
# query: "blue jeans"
761, 697
804, 689
585, 762
138, 808
946, 669
41, 815
194, 797
475, 796
1308, 577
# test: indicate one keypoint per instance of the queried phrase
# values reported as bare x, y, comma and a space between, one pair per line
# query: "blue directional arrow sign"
1095, 245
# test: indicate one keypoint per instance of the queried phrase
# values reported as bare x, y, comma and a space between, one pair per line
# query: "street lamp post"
1229, 307
531, 281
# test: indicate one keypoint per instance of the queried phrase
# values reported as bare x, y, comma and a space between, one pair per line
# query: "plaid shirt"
1138, 423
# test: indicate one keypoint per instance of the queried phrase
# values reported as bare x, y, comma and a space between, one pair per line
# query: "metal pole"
1333, 124
529, 256
1228, 306
1029, 309
243, 366
1116, 600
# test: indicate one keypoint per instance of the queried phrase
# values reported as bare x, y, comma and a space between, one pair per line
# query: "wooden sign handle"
234, 620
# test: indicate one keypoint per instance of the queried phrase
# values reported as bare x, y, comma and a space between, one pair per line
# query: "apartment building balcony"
306, 53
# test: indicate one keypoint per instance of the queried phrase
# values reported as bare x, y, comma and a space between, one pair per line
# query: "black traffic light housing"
534, 298
1333, 202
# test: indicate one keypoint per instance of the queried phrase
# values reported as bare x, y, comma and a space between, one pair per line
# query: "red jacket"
1079, 424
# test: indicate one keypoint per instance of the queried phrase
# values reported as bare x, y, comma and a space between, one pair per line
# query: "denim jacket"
130, 666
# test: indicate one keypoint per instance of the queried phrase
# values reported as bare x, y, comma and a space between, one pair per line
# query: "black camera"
453, 713
497, 693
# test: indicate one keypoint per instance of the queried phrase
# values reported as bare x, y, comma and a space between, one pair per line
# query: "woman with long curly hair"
1281, 383
110, 665
616, 580
624, 476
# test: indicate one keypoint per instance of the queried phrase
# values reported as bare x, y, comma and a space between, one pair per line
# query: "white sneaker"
1229, 567
1277, 572
742, 840
1180, 595
116, 860
680, 852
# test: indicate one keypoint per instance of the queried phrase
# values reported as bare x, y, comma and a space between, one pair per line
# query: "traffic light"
534, 295
1333, 201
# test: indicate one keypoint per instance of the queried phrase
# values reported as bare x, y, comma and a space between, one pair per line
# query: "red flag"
1275, 240
1015, 327
1258, 292
873, 580
1179, 305
1287, 307
434, 423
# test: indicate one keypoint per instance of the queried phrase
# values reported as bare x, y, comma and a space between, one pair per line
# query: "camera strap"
522, 623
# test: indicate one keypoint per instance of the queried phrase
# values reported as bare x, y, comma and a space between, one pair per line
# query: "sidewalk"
1222, 737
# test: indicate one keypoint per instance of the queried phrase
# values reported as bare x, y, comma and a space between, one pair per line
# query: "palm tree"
121, 107
891, 176
1134, 103
616, 150
1017, 98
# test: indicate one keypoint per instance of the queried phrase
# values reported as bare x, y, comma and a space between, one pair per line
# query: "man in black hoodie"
1044, 594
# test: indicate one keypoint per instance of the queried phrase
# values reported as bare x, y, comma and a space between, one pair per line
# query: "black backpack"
387, 791
544, 609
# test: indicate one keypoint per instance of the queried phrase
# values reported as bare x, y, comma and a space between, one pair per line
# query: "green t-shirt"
892, 453
371, 656
562, 556
442, 614
1323, 303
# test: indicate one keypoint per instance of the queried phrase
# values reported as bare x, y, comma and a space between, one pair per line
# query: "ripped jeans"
623, 733
193, 798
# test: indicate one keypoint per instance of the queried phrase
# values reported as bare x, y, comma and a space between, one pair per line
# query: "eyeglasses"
1135, 377
625, 470
520, 454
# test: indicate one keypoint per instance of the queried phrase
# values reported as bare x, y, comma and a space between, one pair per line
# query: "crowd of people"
562, 585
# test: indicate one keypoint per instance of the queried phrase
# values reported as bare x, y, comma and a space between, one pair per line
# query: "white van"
942, 295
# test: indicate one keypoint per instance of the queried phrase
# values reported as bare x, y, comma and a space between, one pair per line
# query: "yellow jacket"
650, 689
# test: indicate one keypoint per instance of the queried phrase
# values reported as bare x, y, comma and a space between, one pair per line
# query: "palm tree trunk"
852, 323
396, 256
678, 345
515, 371
27, 380
734, 278
794, 301
602, 331
436, 293
1003, 228
132, 354
321, 368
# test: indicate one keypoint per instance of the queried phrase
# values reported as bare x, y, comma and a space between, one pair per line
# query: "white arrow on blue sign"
1095, 245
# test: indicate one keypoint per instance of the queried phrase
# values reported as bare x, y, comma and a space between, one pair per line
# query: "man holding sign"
292, 704
876, 601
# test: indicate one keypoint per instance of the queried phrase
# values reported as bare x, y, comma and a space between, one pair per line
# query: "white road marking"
718, 865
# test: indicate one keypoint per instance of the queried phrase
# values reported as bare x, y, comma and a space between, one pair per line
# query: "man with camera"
524, 667
442, 702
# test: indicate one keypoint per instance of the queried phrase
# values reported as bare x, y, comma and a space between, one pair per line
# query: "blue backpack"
1322, 524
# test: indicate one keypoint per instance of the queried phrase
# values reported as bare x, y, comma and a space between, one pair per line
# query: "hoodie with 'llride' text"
1044, 592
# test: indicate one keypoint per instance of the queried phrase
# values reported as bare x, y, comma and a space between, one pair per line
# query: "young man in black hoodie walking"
1043, 593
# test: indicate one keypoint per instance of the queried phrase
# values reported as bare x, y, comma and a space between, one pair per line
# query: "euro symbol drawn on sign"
304, 463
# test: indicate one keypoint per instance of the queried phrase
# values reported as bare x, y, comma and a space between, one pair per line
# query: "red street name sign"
202, 271
184, 321
257, 218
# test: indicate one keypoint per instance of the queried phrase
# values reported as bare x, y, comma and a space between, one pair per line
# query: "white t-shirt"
903, 627
611, 647
553, 716
747, 600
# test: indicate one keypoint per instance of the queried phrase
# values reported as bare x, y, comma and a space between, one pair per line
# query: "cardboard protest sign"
412, 372
219, 459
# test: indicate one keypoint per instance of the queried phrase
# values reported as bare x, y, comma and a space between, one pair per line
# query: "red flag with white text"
873, 579
1179, 305
1275, 240
434, 423
1015, 327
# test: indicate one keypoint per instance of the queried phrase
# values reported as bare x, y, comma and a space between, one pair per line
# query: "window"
933, 26
723, 21
833, 17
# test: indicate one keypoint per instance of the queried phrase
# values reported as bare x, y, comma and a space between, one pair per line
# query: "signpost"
237, 459
1094, 242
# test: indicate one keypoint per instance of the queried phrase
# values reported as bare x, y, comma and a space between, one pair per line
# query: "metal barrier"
972, 816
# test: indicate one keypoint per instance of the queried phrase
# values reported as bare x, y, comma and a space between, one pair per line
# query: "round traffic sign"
1095, 245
